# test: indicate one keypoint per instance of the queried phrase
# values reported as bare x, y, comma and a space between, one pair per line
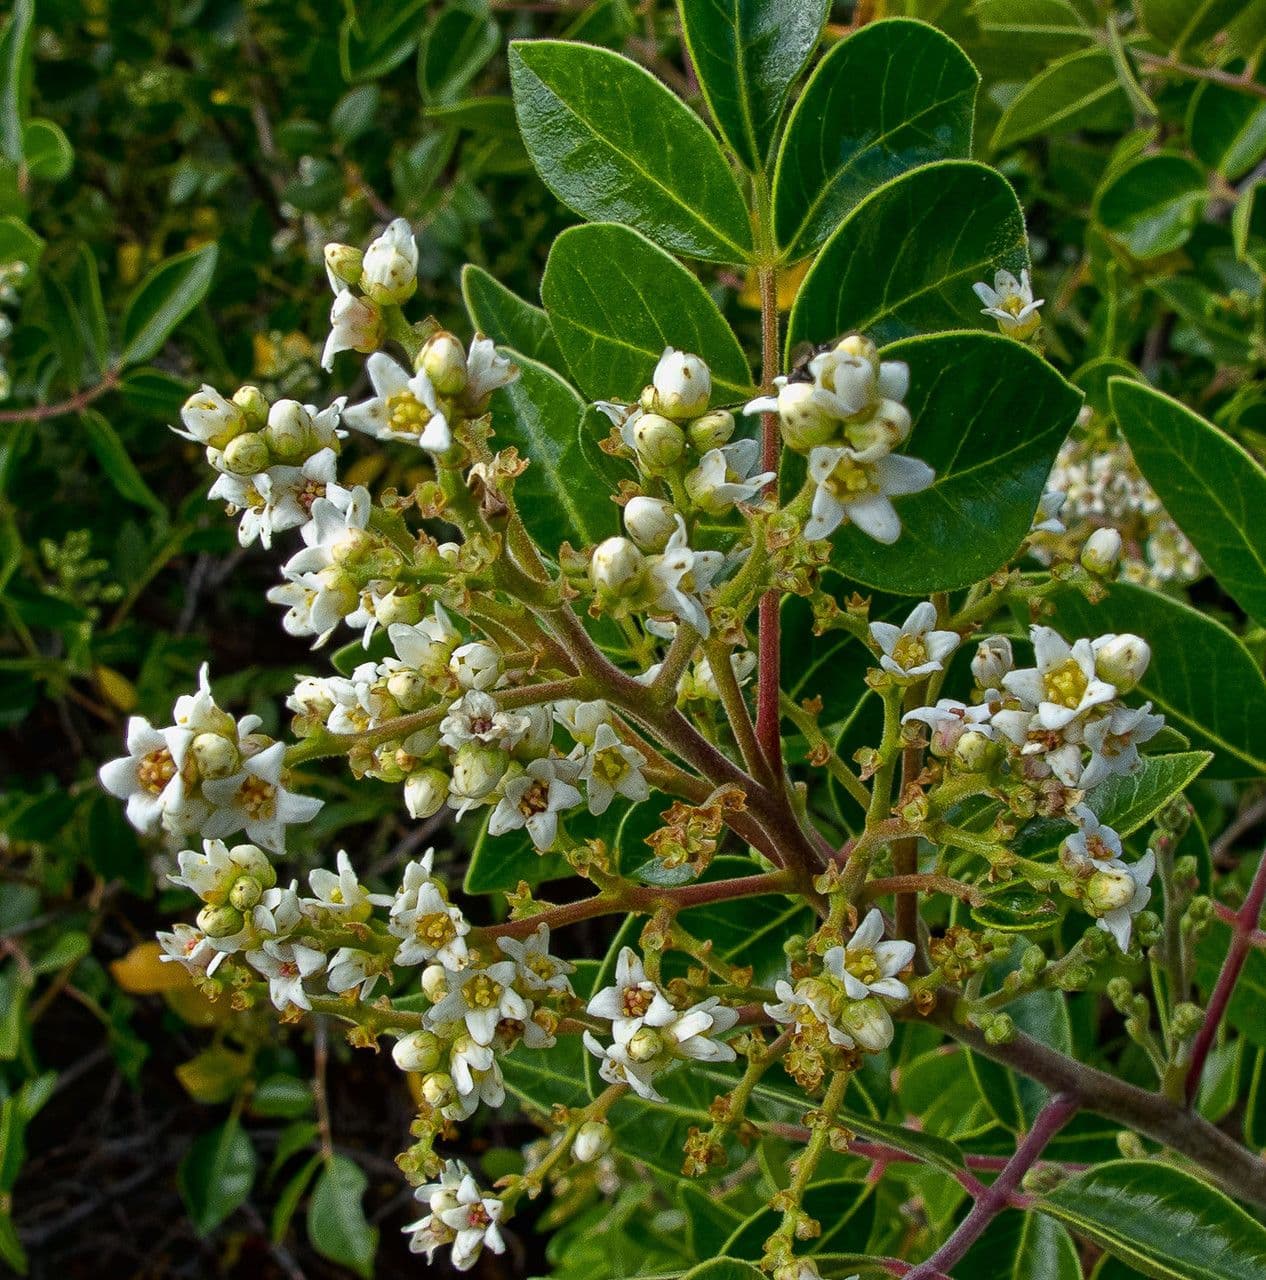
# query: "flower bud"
1186, 1020
1108, 890
215, 756
592, 1140
438, 1089
1102, 551
211, 419
443, 360
680, 386
859, 346
540, 732
434, 982
389, 272
255, 863
645, 1045
1122, 660
398, 606
289, 431
220, 922
617, 568
418, 1051
246, 891
974, 751
805, 423
425, 792
992, 661
476, 665
659, 442
247, 454
343, 264
311, 698
650, 522
476, 770
253, 404
869, 1023
888, 426
712, 430
408, 689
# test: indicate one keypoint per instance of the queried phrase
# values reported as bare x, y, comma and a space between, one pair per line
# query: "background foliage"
217, 147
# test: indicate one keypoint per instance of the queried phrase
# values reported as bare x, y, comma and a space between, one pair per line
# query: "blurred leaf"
455, 45
375, 39
1023, 1246
48, 151
142, 971
1179, 24
336, 1221
115, 462
1152, 205
163, 299
354, 113
1079, 91
288, 1199
15, 79
1227, 129
18, 243
216, 1175
214, 1075
282, 1095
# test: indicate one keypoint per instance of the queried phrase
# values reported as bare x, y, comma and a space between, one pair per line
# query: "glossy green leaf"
1046, 27
1181, 23
989, 416
1210, 485
615, 301
892, 96
115, 461
1161, 1221
163, 299
927, 1147
18, 243
563, 493
49, 155
614, 143
1023, 1246
216, 1174
15, 79
1152, 204
336, 1220
1227, 129
508, 319
456, 44
890, 271
1079, 91
746, 54
1201, 676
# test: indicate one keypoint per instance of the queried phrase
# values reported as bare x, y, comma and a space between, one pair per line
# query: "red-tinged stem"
996, 1197
769, 660
1243, 924
1256, 937
42, 412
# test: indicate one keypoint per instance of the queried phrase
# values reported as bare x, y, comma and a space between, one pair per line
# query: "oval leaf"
989, 416
746, 54
615, 301
163, 299
894, 95
1213, 488
1161, 1221
1152, 205
216, 1175
1080, 91
1227, 129
508, 319
890, 272
1023, 1246
336, 1220
612, 142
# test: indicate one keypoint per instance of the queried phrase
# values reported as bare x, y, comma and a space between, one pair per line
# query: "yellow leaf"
214, 1075
788, 285
117, 689
191, 1006
142, 973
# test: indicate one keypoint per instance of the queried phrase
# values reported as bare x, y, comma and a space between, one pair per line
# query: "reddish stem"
40, 413
1256, 937
1244, 924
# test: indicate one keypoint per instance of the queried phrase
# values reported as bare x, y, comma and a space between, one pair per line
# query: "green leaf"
1023, 1246
215, 1175
747, 54
723, 1269
1255, 1106
1212, 487
354, 113
892, 96
455, 45
1152, 204
1161, 1221
890, 270
989, 416
1227, 129
336, 1221
15, 79
49, 154
1048, 28
615, 301
1079, 91
1179, 23
282, 1095
1201, 676
18, 243
507, 319
115, 462
845, 1210
927, 1147
11, 1251
1244, 1012
163, 299
378, 38
612, 142
563, 494
288, 1199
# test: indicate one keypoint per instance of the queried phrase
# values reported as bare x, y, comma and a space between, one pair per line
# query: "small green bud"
645, 1045
215, 756
1108, 890
1120, 991
220, 922
289, 432
425, 792
617, 568
1033, 961
253, 404
247, 454
343, 262
443, 360
650, 522
712, 430
438, 1089
1186, 1020
1122, 660
660, 443
1001, 1030
593, 1139
1102, 552
417, 1051
245, 893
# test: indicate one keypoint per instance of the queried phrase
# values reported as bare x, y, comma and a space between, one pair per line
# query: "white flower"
402, 407
486, 370
481, 998
427, 645
1119, 920
850, 488
1093, 845
425, 792
431, 929
278, 499
429, 1233
612, 768
914, 649
1057, 751
1113, 741
389, 272
286, 965
460, 1215
476, 1076
191, 948
1010, 302
1046, 518
617, 568
991, 661
633, 1001
351, 968
681, 385
474, 717
805, 1006
151, 776
355, 325
210, 418
254, 798
680, 576
534, 799
867, 965
476, 665
581, 719
724, 476
537, 969
212, 872
949, 720
341, 893
1063, 685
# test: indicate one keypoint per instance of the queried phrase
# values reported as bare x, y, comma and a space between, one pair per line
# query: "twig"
73, 404
320, 1095
1242, 83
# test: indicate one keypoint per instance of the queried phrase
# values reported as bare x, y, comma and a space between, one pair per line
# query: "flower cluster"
845, 411
12, 276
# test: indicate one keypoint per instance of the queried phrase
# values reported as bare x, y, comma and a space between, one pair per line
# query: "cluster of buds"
385, 274
12, 276
844, 410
